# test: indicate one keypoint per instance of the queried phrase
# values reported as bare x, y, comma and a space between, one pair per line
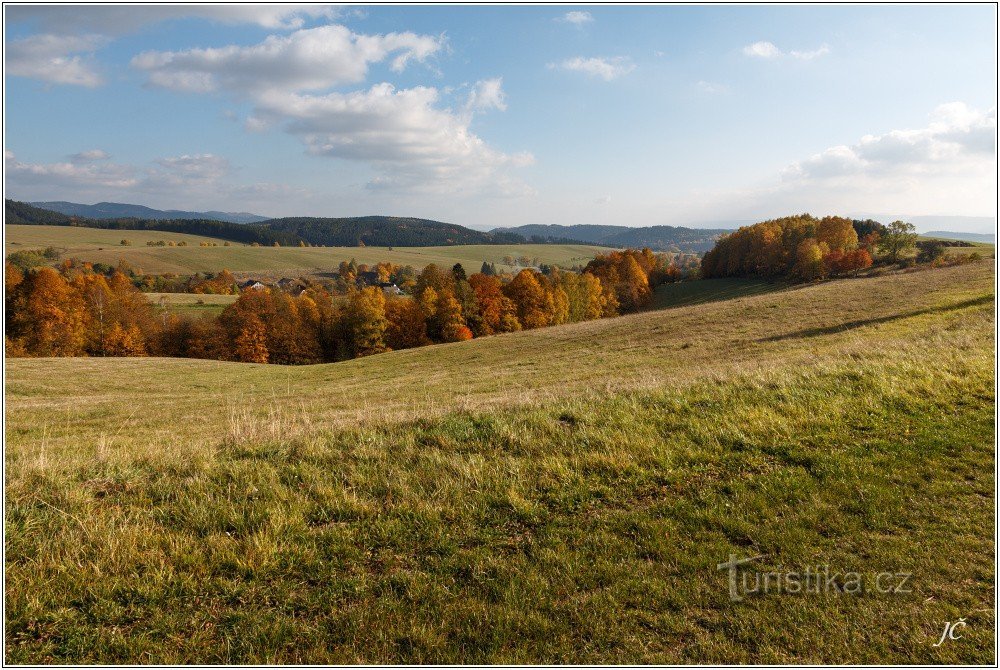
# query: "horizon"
952, 224
564, 115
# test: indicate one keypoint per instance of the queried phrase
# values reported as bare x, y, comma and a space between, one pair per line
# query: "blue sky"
489, 116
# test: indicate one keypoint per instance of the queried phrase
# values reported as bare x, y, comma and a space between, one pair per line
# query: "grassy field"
191, 304
95, 245
562, 495
687, 293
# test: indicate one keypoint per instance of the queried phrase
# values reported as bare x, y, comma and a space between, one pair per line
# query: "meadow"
102, 246
191, 304
557, 495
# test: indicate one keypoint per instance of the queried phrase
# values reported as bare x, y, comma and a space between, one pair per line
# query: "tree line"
77, 311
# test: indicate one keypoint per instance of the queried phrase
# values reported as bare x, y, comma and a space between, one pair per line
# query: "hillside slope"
350, 232
552, 496
673, 238
386, 231
102, 246
20, 213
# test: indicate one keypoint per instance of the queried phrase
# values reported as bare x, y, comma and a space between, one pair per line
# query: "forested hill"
118, 210
386, 231
655, 237
383, 231
24, 214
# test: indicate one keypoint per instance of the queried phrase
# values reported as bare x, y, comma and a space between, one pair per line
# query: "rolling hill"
20, 213
385, 231
562, 495
350, 232
667, 238
117, 210
97, 245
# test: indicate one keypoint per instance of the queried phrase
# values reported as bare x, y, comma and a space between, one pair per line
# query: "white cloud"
957, 138
311, 59
197, 167
762, 50
55, 59
607, 69
121, 19
769, 51
68, 175
487, 94
577, 18
412, 143
946, 167
89, 156
410, 138
187, 181
809, 55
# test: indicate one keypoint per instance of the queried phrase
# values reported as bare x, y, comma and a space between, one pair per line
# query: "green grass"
561, 495
90, 244
191, 304
687, 293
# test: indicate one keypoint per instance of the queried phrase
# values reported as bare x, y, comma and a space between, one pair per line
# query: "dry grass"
552, 496
94, 245
74, 400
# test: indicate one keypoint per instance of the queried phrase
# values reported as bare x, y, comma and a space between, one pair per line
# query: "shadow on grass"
851, 325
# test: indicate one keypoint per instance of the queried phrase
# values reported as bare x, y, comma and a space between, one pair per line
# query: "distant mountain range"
119, 210
964, 237
663, 238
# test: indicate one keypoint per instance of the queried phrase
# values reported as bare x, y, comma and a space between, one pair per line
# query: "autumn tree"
533, 304
837, 233
406, 327
49, 317
365, 322
449, 321
434, 277
809, 260
497, 313
251, 342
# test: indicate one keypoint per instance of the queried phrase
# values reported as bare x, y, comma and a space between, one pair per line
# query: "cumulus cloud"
403, 133
310, 59
957, 137
577, 18
769, 51
607, 69
945, 167
55, 59
411, 138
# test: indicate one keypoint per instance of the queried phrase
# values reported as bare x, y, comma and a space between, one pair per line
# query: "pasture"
191, 304
557, 496
94, 245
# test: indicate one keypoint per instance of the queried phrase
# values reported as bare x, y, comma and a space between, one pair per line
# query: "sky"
506, 115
